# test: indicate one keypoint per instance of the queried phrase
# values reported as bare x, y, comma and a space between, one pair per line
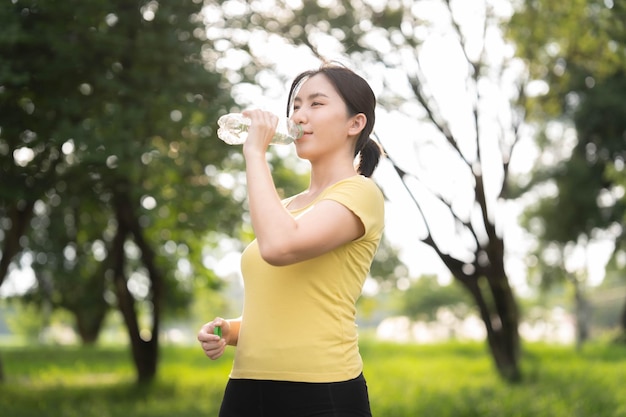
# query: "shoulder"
363, 197
358, 188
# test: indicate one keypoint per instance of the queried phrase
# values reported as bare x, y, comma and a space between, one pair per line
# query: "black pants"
259, 398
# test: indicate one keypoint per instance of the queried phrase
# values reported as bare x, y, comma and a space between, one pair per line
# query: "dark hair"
359, 98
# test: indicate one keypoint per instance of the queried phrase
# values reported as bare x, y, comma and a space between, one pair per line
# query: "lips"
304, 136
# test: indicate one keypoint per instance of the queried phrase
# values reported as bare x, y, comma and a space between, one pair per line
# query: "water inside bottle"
232, 130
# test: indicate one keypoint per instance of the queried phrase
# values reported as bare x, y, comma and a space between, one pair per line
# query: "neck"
328, 173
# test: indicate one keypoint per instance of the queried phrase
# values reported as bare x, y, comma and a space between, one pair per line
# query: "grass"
459, 380
404, 381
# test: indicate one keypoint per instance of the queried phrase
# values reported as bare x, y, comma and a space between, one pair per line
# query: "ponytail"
369, 156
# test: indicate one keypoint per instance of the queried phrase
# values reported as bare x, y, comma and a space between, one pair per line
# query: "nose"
298, 116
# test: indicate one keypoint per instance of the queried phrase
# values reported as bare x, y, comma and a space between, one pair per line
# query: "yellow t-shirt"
299, 320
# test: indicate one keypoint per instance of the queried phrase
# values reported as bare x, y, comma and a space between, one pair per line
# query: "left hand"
212, 344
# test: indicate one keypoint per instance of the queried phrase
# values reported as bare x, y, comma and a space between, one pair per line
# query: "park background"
499, 287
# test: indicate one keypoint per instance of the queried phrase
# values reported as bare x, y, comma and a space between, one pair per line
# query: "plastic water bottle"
233, 129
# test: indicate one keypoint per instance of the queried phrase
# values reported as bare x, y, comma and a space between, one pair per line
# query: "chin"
301, 151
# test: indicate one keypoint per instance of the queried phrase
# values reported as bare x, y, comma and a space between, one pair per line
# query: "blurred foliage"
108, 124
567, 46
104, 98
426, 296
577, 50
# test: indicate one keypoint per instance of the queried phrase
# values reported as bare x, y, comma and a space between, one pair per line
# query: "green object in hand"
217, 330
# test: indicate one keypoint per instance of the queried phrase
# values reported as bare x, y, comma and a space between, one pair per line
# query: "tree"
469, 146
108, 163
574, 50
482, 159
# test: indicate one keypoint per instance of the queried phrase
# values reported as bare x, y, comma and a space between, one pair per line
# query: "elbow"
275, 255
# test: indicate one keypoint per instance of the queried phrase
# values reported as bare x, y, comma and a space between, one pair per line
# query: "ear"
357, 124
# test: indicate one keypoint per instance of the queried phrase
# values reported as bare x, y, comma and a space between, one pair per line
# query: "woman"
297, 351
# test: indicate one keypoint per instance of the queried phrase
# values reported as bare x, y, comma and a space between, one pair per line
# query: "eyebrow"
311, 96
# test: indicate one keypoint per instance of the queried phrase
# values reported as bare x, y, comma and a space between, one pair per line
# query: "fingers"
213, 350
262, 128
261, 117
212, 344
207, 334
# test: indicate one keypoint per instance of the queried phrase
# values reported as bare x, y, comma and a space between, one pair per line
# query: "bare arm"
283, 239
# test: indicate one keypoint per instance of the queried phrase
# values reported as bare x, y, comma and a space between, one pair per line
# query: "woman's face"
324, 118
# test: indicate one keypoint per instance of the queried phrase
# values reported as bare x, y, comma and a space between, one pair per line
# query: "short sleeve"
362, 196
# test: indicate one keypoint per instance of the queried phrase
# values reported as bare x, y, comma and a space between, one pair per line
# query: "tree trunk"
20, 217
623, 319
501, 325
144, 349
582, 315
90, 311
89, 323
143, 352
487, 282
621, 337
